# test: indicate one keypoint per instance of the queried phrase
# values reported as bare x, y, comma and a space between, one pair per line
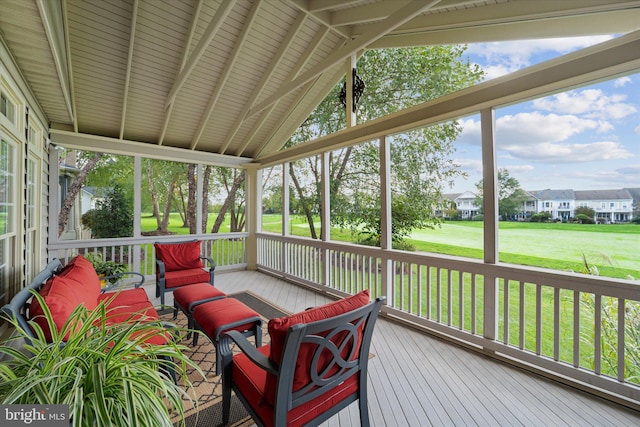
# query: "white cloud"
469, 165
532, 128
637, 130
500, 58
622, 81
569, 153
592, 103
516, 169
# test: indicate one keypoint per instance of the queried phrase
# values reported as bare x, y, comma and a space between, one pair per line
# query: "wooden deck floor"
418, 380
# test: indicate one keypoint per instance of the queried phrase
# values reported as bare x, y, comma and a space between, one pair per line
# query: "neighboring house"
610, 206
559, 203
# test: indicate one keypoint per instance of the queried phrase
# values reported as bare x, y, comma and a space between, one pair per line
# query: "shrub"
106, 373
584, 219
478, 217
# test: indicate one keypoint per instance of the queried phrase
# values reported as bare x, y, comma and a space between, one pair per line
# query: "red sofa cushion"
60, 296
174, 279
179, 256
76, 284
279, 327
82, 271
251, 381
124, 297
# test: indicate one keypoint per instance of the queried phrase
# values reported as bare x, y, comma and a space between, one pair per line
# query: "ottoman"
188, 297
222, 315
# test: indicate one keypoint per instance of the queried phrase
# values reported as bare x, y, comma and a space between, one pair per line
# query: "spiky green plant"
106, 373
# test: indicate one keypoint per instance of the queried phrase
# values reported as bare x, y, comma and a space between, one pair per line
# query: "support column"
253, 214
137, 208
199, 197
385, 218
490, 208
325, 217
351, 115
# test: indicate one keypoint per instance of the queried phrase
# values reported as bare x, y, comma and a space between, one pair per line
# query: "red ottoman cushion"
213, 316
187, 295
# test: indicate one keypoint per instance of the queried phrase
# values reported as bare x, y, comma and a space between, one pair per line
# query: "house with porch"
611, 206
227, 83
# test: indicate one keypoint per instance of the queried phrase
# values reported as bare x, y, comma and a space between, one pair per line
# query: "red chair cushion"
174, 279
279, 327
179, 256
250, 381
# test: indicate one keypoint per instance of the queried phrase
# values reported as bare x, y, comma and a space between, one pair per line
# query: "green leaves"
107, 373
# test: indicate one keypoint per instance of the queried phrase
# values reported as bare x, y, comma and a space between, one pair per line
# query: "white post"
385, 218
490, 207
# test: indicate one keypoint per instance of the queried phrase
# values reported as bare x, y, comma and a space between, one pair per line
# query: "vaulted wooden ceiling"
236, 78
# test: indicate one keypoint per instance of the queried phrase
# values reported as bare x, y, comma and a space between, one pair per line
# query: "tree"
421, 159
112, 216
585, 215
74, 189
510, 196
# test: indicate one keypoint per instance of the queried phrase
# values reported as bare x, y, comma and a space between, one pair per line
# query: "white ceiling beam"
518, 12
597, 23
67, 47
302, 61
602, 61
83, 141
57, 45
292, 33
183, 61
132, 39
321, 16
216, 22
321, 5
220, 84
398, 18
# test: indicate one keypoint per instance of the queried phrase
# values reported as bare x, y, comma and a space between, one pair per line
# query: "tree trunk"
205, 197
303, 202
73, 190
164, 224
154, 196
191, 198
182, 210
227, 203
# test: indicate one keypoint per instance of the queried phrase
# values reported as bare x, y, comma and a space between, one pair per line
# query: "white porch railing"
227, 250
581, 329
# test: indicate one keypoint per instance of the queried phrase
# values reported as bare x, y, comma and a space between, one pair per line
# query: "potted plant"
107, 373
107, 269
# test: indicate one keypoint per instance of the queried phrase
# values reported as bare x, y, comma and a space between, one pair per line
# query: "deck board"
418, 380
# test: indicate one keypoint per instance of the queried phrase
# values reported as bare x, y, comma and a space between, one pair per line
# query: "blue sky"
586, 138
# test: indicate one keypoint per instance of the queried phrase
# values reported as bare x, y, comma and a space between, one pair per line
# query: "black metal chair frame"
318, 333
161, 271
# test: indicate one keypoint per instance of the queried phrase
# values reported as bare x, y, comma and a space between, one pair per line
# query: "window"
7, 215
7, 107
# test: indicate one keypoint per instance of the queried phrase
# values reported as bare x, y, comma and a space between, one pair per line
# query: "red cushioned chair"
179, 264
315, 365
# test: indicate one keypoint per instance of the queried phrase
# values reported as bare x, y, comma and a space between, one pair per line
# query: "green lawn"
612, 248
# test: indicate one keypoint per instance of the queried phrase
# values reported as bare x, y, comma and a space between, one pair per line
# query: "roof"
621, 194
235, 79
554, 194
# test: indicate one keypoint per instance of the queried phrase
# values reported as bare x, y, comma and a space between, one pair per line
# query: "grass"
612, 248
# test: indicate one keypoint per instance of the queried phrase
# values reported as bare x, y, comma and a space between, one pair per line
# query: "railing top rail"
125, 241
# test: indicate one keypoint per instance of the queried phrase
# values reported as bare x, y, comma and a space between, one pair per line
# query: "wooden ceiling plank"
59, 57
132, 38
207, 37
398, 18
292, 34
253, 12
183, 61
313, 46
